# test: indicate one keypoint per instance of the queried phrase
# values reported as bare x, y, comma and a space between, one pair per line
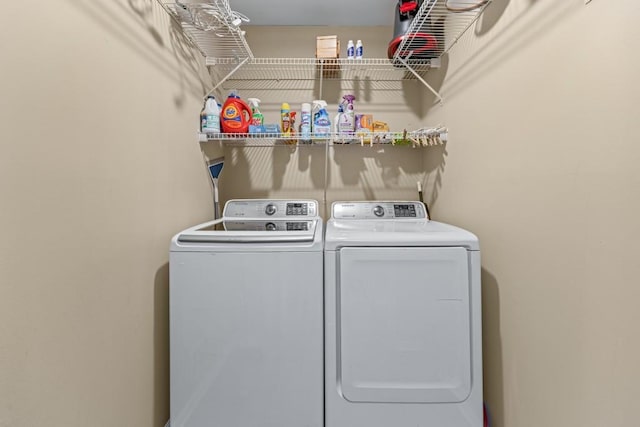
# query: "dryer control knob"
378, 211
270, 209
270, 226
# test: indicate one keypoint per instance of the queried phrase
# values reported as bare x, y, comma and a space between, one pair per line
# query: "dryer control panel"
268, 208
378, 210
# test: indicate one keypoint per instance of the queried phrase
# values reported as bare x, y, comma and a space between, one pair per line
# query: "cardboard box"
327, 47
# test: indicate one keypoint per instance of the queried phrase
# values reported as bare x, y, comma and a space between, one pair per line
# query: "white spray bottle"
336, 123
257, 118
321, 120
347, 119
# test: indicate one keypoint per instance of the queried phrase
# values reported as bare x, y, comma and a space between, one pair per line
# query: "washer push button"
404, 211
297, 209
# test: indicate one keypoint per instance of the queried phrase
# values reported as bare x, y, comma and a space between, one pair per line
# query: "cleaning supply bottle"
257, 118
305, 123
292, 125
359, 49
336, 122
351, 50
210, 117
347, 119
321, 120
336, 125
285, 119
203, 117
236, 115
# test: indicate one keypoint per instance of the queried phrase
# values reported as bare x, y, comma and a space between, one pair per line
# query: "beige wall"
99, 167
541, 100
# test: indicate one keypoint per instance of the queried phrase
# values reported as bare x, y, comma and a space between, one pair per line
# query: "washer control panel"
269, 225
266, 208
378, 210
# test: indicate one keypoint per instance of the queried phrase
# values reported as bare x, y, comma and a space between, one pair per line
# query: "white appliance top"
262, 225
402, 223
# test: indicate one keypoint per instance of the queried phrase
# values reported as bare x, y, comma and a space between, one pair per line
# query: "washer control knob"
270, 209
378, 211
270, 226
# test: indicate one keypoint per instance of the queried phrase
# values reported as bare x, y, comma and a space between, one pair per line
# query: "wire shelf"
212, 27
215, 30
291, 69
419, 138
437, 26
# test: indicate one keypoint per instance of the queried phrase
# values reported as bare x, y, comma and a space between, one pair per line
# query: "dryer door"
403, 324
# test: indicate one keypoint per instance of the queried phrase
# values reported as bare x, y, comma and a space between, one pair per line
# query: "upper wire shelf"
212, 27
215, 30
437, 26
378, 69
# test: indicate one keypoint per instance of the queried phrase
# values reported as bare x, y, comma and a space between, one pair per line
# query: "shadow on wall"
149, 15
161, 346
492, 349
436, 76
237, 160
352, 163
301, 168
508, 40
491, 16
311, 158
434, 169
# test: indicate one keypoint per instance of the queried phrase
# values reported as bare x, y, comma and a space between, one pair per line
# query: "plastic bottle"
350, 50
203, 117
236, 115
285, 119
336, 122
257, 118
292, 116
347, 121
359, 49
211, 116
305, 123
321, 120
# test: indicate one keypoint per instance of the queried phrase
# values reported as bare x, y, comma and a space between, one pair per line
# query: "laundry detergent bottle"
236, 115
210, 116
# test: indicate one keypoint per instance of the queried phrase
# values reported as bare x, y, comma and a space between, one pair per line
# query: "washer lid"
261, 234
343, 233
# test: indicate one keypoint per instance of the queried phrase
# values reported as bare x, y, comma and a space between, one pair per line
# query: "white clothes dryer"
246, 318
403, 344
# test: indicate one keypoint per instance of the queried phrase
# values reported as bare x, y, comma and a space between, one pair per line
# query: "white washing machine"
403, 344
246, 318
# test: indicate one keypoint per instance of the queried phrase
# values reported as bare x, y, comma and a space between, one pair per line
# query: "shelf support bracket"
237, 67
419, 77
